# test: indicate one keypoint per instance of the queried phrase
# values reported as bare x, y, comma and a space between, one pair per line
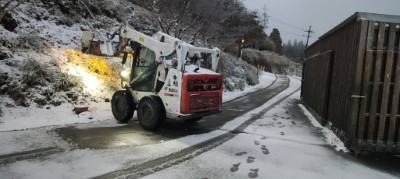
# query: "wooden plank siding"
362, 130
389, 46
357, 98
394, 116
314, 80
342, 73
373, 122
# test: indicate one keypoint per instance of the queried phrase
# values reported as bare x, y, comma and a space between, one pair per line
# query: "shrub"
16, 92
30, 41
3, 78
34, 73
64, 82
237, 73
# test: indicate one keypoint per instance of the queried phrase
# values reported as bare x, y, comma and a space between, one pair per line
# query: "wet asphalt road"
133, 134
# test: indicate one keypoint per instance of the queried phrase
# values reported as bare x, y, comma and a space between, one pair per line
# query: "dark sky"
293, 17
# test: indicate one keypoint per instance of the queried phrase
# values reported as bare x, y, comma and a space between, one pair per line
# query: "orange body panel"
201, 93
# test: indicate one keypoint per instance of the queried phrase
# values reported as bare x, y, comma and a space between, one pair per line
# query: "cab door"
144, 69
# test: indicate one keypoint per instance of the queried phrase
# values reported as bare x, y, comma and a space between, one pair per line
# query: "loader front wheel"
150, 112
122, 106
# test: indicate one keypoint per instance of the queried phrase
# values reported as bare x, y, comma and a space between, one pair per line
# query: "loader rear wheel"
150, 112
122, 106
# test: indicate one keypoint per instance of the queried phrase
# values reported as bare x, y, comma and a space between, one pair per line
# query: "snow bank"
330, 137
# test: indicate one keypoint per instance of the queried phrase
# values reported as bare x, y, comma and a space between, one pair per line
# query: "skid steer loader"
164, 78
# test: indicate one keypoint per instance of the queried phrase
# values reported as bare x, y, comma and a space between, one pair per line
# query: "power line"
286, 23
291, 33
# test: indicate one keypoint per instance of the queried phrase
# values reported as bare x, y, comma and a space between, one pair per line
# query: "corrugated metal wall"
314, 80
359, 93
343, 52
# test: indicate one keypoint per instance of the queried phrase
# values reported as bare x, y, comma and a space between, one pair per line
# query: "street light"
241, 47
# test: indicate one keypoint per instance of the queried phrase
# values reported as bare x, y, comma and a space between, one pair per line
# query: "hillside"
41, 64
272, 62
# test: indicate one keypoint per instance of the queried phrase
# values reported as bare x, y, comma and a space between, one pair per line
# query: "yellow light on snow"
97, 74
89, 80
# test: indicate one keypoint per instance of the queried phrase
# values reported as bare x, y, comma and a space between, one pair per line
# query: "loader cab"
143, 71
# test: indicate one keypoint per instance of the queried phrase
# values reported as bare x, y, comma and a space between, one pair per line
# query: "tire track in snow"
9, 158
170, 160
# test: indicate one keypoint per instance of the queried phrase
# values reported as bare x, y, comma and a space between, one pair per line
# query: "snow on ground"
18, 118
281, 144
331, 138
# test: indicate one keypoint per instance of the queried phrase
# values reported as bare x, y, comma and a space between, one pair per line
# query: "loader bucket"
92, 44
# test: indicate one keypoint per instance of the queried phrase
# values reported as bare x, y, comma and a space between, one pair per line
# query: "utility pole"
309, 31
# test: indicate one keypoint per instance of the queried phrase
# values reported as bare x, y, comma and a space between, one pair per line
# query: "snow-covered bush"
3, 78
237, 73
65, 82
34, 73
31, 42
15, 91
272, 62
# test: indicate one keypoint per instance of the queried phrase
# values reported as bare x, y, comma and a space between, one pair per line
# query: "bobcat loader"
163, 77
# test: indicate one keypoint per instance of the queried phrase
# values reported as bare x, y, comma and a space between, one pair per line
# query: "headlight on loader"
124, 74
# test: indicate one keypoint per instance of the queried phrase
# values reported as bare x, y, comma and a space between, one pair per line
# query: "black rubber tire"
150, 112
193, 120
122, 106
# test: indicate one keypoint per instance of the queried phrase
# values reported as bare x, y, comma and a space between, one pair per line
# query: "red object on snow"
80, 109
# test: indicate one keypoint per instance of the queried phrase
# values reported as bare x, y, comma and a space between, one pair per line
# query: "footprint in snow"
263, 138
240, 153
250, 159
253, 173
282, 133
274, 119
279, 122
294, 123
256, 142
235, 167
282, 126
264, 150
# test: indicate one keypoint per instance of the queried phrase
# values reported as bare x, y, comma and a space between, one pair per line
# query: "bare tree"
205, 22
8, 6
173, 16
